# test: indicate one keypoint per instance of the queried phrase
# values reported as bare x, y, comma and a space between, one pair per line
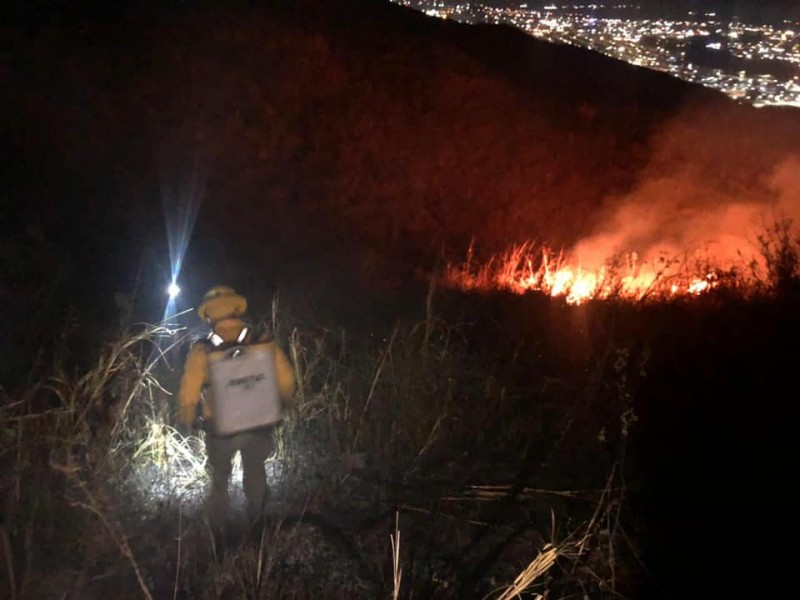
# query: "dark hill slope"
359, 122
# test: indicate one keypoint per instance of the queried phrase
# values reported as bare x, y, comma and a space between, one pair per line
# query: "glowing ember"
525, 268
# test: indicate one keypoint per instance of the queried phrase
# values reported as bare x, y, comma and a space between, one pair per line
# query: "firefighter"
222, 308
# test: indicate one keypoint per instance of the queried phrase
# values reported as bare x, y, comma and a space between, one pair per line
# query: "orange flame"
525, 267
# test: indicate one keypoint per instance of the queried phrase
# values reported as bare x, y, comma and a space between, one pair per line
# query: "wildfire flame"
526, 267
694, 224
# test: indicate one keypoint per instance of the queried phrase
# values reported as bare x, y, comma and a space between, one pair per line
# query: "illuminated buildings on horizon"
754, 63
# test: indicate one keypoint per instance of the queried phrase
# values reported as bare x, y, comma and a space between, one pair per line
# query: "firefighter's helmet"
221, 302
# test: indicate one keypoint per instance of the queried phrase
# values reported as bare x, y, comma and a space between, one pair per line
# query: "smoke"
707, 194
785, 183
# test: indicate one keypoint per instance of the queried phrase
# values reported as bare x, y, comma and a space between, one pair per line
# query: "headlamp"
173, 290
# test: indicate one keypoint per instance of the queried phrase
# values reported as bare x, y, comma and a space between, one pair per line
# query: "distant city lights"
753, 63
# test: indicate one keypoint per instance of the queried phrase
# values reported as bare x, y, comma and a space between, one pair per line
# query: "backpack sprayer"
242, 380
243, 385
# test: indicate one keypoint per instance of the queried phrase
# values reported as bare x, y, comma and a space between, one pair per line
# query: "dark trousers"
255, 446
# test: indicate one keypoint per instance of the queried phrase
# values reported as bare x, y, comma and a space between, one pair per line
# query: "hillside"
373, 122
331, 151
321, 139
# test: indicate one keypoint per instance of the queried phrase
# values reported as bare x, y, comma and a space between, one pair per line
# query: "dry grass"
475, 437
397, 570
372, 425
533, 572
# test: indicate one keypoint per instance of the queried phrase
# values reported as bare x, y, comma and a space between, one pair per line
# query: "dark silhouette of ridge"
570, 73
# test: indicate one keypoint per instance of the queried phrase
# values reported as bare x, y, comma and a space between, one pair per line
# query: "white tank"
244, 389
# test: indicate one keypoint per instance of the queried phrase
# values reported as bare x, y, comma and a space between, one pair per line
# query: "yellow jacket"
195, 373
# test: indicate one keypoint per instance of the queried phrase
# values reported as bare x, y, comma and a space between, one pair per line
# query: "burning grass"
661, 275
527, 267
